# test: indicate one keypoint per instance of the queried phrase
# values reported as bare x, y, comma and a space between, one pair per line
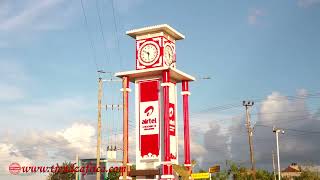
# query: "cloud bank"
276, 110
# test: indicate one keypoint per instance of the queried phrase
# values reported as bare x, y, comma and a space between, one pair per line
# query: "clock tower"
155, 46
155, 79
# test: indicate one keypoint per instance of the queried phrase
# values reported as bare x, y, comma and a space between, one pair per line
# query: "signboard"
214, 169
149, 117
200, 175
172, 122
90, 174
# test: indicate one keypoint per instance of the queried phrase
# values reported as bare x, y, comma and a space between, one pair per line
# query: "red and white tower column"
167, 168
185, 95
125, 90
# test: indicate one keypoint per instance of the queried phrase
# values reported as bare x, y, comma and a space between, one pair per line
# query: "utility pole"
248, 104
276, 131
99, 125
273, 165
112, 148
125, 90
77, 164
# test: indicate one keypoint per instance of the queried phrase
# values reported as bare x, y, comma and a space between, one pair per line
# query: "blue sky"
250, 49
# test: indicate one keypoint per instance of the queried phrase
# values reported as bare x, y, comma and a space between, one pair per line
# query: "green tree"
242, 173
222, 175
264, 175
62, 173
310, 175
133, 167
113, 176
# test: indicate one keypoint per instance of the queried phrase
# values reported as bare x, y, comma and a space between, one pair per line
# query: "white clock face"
149, 53
168, 55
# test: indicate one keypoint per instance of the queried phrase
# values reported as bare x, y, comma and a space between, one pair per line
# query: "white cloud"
79, 137
197, 150
278, 108
22, 21
48, 148
10, 93
231, 143
28, 16
288, 113
17, 106
7, 157
203, 122
308, 3
212, 140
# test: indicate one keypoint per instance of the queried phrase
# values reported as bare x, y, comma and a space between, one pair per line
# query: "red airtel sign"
149, 114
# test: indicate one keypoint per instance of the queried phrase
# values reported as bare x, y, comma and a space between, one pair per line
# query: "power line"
280, 112
240, 116
259, 100
102, 33
90, 37
116, 32
303, 131
295, 130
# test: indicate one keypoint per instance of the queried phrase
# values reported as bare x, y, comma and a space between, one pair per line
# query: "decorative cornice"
162, 27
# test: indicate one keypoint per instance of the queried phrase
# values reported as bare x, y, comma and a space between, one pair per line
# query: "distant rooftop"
162, 27
292, 169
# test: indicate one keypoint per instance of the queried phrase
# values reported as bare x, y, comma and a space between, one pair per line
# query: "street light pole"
273, 166
277, 130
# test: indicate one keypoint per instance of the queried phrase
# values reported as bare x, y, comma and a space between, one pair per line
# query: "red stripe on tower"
166, 80
185, 94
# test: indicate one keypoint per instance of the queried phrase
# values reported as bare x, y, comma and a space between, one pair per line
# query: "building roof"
175, 74
162, 27
291, 169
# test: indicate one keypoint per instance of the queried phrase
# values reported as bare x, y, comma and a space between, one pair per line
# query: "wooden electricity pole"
125, 87
250, 134
99, 125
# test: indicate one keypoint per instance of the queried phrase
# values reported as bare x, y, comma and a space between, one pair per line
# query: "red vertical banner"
173, 122
149, 122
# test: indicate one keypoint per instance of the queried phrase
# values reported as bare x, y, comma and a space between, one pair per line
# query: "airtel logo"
171, 112
149, 110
